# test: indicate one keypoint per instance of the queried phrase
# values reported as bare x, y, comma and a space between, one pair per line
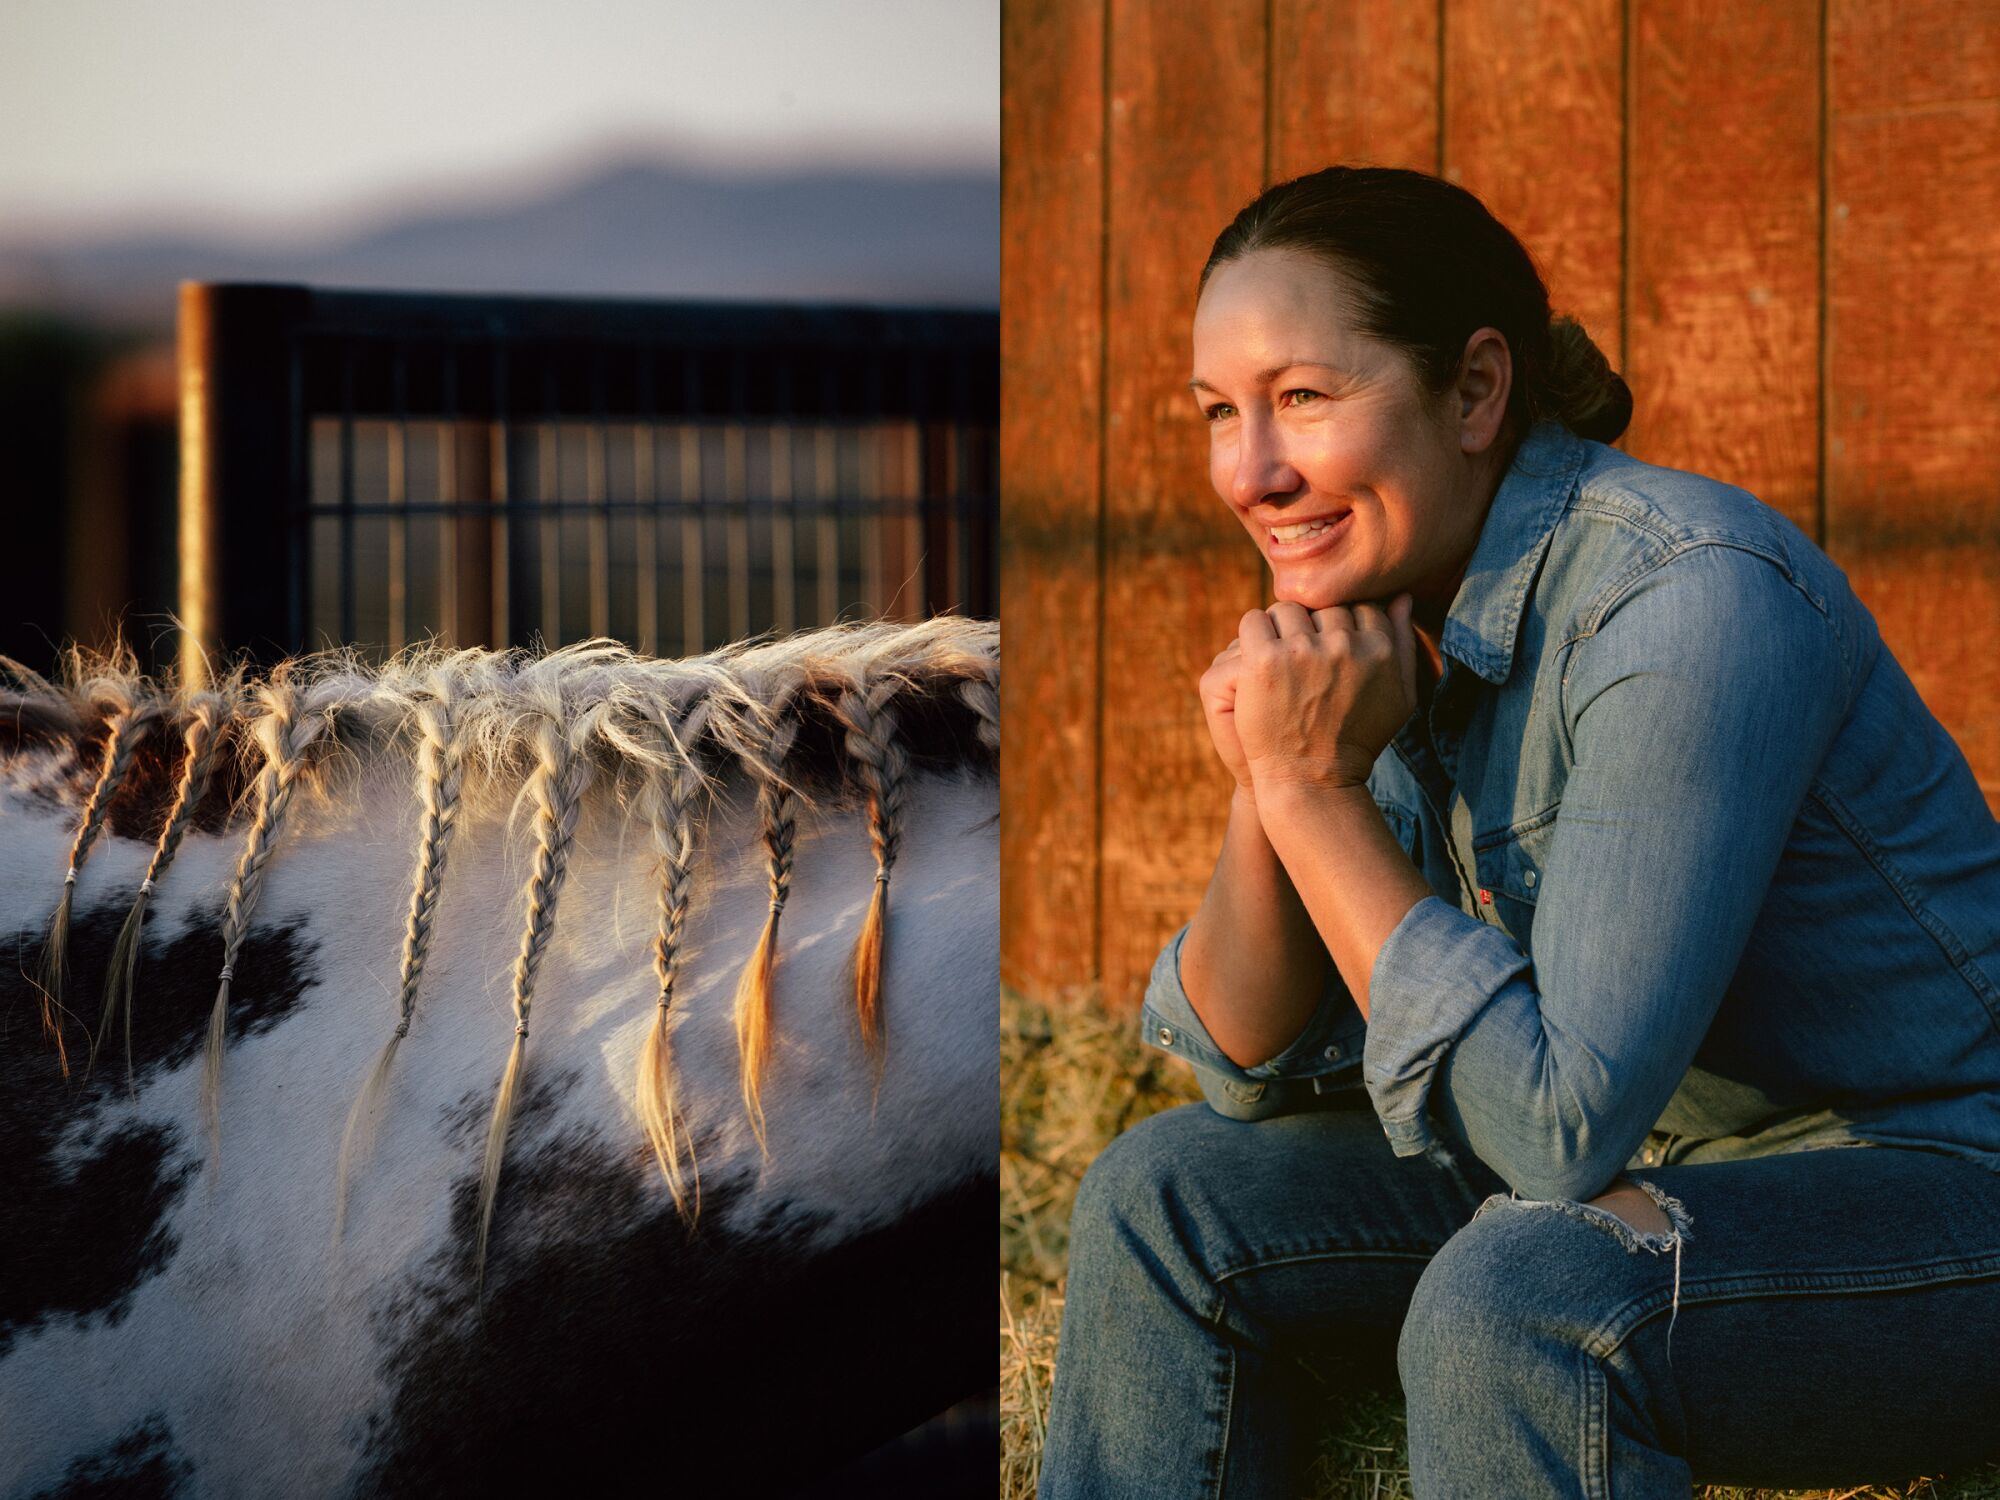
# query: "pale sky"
257, 112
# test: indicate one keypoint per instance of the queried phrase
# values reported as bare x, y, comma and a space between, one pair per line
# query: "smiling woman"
1582, 826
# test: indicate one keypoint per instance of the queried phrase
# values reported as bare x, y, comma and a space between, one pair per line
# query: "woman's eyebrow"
1264, 376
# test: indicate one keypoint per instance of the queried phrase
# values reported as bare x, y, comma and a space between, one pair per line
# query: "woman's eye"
1217, 411
1302, 398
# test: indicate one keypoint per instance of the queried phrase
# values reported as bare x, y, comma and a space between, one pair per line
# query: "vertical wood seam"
1270, 93
1824, 457
1627, 104
1097, 709
1441, 4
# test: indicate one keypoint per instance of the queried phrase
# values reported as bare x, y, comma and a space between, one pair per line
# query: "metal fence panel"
377, 468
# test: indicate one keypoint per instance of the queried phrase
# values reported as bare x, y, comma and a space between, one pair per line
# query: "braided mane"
839, 714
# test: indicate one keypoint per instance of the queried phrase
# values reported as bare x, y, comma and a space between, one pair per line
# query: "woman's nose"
1262, 473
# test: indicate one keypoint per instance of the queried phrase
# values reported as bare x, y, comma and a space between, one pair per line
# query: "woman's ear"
1485, 380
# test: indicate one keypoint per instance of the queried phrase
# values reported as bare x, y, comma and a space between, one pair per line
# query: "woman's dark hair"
1430, 265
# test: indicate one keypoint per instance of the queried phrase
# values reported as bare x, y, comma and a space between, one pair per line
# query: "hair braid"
439, 785
125, 727
982, 695
203, 737
284, 732
880, 762
669, 799
777, 818
556, 788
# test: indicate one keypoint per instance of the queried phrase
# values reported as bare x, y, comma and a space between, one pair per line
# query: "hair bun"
1578, 387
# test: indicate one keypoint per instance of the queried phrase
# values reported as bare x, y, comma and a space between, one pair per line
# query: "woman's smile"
1296, 541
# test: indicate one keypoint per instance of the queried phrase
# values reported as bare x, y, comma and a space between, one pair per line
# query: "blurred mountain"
636, 228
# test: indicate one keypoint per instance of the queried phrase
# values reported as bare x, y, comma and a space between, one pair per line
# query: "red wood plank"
1353, 81
1187, 151
1911, 56
1051, 399
1722, 348
1913, 398
1534, 124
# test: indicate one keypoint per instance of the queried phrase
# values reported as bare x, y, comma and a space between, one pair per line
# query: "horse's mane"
835, 712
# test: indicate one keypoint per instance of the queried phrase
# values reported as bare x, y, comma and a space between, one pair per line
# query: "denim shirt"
1710, 880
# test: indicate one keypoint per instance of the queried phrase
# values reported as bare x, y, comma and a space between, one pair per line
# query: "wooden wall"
1781, 221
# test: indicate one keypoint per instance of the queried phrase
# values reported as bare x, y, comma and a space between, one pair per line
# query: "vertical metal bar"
826, 480
958, 581
498, 457
548, 483
914, 582
347, 586
735, 494
646, 489
548, 495
448, 497
944, 492
874, 438
870, 483
597, 519
232, 343
298, 520
784, 568
398, 498
694, 561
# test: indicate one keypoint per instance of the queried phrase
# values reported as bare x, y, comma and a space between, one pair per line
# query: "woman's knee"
1524, 1279
1142, 1167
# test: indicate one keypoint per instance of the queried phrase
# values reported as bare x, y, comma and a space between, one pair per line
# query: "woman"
1584, 828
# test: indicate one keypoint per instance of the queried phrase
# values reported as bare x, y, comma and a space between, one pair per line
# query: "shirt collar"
1484, 620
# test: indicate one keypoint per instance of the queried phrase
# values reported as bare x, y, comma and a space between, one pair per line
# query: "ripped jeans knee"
1634, 1238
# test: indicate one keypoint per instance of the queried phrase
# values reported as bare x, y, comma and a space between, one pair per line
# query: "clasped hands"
1308, 699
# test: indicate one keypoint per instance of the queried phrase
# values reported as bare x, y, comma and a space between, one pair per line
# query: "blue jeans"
1835, 1320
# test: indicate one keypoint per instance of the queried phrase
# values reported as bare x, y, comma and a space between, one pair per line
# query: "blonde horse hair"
438, 720
206, 714
880, 762
667, 801
555, 789
777, 826
126, 726
288, 725
981, 694
788, 716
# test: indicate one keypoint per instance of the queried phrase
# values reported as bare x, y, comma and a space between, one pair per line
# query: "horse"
479, 1070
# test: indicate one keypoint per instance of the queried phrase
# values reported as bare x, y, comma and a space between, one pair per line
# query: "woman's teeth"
1304, 528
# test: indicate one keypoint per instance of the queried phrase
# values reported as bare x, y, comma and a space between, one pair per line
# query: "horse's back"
181, 1316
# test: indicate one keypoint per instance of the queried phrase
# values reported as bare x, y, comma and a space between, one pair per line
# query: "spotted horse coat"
258, 1268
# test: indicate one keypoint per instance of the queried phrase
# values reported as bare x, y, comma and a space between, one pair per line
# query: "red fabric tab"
1485, 898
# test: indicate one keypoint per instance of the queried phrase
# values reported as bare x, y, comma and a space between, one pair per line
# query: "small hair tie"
402, 1028
777, 905
228, 972
70, 878
881, 877
521, 1027
146, 886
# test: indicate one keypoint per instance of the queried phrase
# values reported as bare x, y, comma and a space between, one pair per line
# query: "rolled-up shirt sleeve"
1697, 711
1325, 1055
